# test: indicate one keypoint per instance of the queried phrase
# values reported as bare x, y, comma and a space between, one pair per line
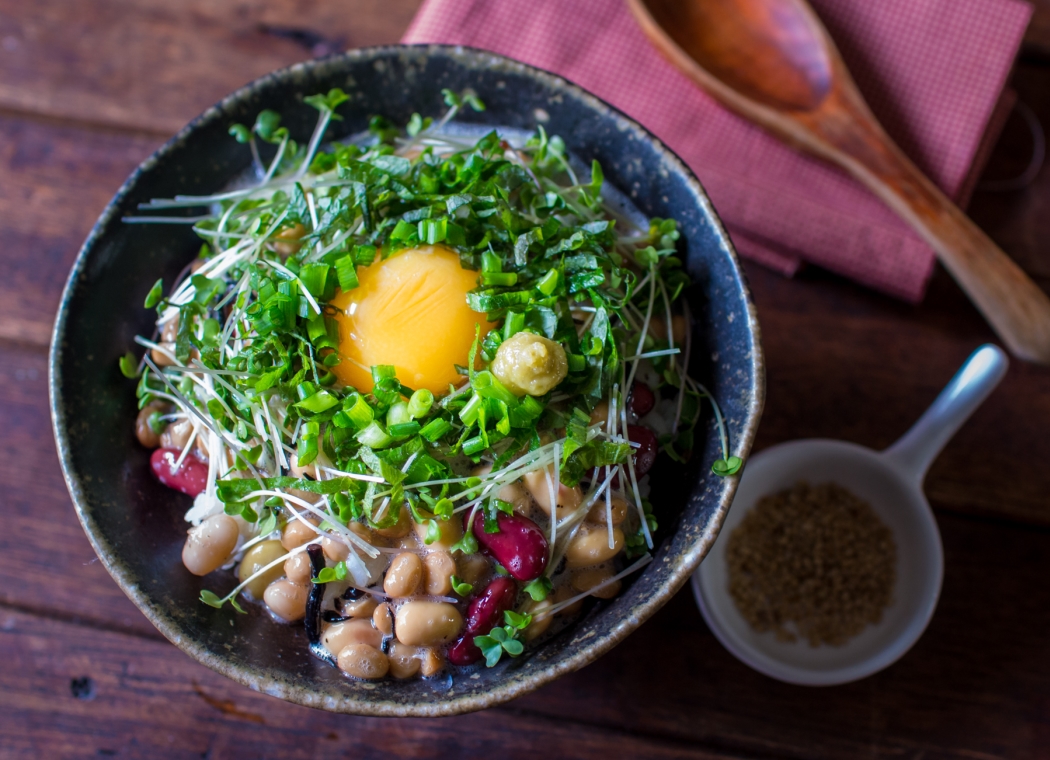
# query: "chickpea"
537, 484
143, 431
163, 356
512, 493
308, 470
431, 662
409, 543
427, 624
600, 413
530, 364
440, 567
564, 593
451, 531
200, 445
590, 546
619, 511
472, 568
405, 575
363, 661
679, 327
287, 240
209, 544
404, 660
383, 619
364, 532
360, 608
296, 533
297, 568
200, 448
592, 577
307, 496
177, 434
334, 550
541, 618
401, 528
518, 497
286, 600
338, 636
169, 331
255, 559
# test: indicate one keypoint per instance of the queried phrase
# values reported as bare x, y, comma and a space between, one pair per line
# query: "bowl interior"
136, 525
899, 504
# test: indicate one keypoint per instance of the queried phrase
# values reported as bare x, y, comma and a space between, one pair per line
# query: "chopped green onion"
499, 278
469, 413
490, 262
319, 402
514, 323
549, 283
432, 231
404, 429
374, 437
398, 414
346, 273
435, 430
420, 402
364, 255
359, 412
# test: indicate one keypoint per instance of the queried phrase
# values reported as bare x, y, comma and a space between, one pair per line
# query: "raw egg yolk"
409, 310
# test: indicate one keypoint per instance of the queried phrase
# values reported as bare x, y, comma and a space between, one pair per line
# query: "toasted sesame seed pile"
813, 562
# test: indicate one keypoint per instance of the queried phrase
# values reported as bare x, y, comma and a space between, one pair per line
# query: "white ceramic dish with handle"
891, 481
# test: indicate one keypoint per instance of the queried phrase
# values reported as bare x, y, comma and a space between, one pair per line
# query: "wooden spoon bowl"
773, 62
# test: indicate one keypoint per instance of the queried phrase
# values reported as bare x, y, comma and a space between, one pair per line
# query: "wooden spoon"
773, 62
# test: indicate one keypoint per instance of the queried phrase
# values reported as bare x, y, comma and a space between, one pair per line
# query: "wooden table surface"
89, 89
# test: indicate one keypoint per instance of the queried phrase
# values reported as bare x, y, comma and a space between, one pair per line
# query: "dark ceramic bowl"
136, 525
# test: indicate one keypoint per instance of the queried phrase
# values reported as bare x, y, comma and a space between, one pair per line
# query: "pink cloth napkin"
932, 71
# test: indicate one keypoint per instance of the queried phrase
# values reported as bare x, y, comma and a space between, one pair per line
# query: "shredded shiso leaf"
249, 366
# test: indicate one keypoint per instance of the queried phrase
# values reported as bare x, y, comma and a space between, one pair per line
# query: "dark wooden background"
89, 88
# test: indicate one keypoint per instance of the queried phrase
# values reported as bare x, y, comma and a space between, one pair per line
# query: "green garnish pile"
251, 361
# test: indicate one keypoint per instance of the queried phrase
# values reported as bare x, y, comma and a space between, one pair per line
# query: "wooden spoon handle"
1016, 308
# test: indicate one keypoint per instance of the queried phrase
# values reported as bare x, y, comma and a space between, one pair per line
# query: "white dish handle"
913, 454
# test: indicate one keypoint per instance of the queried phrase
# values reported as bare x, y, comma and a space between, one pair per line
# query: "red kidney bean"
519, 546
645, 454
191, 478
641, 401
484, 613
463, 651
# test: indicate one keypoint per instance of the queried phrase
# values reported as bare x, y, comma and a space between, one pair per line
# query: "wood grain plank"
46, 562
57, 179
846, 363
1037, 36
1019, 220
973, 686
843, 362
142, 698
154, 65
976, 686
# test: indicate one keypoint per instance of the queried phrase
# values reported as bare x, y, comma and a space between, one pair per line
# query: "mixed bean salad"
410, 528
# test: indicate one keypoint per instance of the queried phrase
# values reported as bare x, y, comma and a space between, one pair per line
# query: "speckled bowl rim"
514, 685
